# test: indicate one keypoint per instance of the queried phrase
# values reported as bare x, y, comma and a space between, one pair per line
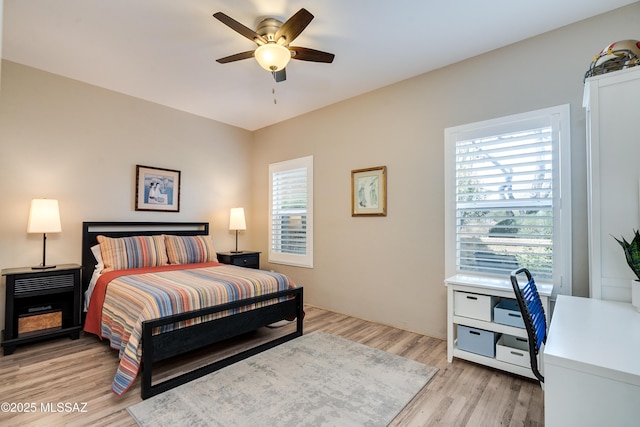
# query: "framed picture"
369, 192
157, 189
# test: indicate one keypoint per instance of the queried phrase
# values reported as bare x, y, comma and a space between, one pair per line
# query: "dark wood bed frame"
162, 346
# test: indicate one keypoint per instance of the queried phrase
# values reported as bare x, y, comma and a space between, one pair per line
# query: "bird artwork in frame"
369, 191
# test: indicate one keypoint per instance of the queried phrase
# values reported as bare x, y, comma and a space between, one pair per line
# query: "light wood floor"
81, 371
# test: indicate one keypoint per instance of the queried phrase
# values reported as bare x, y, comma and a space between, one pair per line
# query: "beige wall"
63, 139
391, 269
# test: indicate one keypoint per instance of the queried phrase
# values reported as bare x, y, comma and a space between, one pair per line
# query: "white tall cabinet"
612, 103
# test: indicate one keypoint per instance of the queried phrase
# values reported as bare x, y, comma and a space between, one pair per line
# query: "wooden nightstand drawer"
48, 284
241, 259
246, 260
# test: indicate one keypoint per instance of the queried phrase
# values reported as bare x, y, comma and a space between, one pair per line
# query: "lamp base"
236, 252
43, 267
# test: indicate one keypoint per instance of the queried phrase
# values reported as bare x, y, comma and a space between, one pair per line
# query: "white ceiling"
164, 50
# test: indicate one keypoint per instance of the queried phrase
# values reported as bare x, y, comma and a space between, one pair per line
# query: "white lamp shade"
44, 216
272, 56
236, 219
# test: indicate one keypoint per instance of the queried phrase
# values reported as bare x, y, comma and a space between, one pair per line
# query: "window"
505, 209
291, 212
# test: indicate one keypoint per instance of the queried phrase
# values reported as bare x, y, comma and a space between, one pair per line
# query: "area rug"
317, 379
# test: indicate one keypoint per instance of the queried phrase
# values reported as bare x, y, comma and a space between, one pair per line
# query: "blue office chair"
533, 316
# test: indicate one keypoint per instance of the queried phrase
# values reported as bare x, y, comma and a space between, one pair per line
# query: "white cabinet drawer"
513, 350
477, 341
507, 312
475, 306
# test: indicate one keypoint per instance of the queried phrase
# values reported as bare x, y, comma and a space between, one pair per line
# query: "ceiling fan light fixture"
272, 56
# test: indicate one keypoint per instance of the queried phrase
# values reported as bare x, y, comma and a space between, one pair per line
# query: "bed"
241, 301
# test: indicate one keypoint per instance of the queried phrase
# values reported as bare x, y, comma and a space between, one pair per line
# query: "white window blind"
504, 202
505, 210
290, 222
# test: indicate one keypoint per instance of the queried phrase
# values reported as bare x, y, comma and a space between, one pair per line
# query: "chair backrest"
533, 315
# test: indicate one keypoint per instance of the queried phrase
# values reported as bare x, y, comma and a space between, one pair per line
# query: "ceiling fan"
273, 38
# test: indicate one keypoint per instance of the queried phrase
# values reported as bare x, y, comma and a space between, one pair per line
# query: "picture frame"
157, 189
369, 191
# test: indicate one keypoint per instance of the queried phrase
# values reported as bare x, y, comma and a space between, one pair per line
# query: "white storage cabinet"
471, 301
612, 103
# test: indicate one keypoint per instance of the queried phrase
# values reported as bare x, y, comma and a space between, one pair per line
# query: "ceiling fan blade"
280, 76
239, 28
294, 26
306, 54
236, 57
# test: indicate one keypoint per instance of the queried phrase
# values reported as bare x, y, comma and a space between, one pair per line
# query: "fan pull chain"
273, 91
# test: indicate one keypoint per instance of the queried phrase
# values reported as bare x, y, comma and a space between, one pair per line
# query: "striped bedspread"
133, 298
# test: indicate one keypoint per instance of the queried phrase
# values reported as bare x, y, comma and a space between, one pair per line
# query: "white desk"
592, 364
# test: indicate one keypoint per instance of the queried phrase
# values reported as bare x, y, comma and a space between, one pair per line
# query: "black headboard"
90, 230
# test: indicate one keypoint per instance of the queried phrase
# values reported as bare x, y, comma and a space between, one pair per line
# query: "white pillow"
95, 250
98, 256
92, 283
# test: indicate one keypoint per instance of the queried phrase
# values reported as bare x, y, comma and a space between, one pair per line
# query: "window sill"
495, 283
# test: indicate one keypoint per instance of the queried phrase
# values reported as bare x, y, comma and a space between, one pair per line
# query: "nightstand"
41, 304
247, 259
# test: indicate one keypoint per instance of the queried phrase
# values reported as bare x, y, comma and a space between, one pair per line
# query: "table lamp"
237, 222
44, 217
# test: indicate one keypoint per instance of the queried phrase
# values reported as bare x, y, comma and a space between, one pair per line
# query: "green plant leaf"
632, 252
